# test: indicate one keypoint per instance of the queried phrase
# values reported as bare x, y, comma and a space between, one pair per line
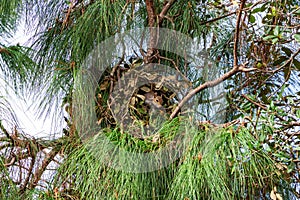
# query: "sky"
24, 107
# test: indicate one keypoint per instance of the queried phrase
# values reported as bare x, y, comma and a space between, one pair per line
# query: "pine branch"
5, 131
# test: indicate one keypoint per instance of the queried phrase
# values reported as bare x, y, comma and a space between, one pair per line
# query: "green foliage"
7, 189
15, 61
220, 164
243, 161
17, 66
10, 11
224, 165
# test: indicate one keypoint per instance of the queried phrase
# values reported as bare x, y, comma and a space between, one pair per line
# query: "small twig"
141, 45
20, 171
287, 61
236, 121
165, 9
171, 20
217, 18
11, 162
231, 13
176, 67
288, 126
3, 50
255, 103
66, 20
262, 106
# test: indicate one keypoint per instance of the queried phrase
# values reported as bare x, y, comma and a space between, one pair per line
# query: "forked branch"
236, 67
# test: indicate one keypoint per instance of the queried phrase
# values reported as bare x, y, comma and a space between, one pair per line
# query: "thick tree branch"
208, 84
48, 158
237, 34
153, 21
150, 12
236, 68
153, 33
23, 187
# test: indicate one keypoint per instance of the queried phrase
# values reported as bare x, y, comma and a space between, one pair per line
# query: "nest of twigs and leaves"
151, 99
